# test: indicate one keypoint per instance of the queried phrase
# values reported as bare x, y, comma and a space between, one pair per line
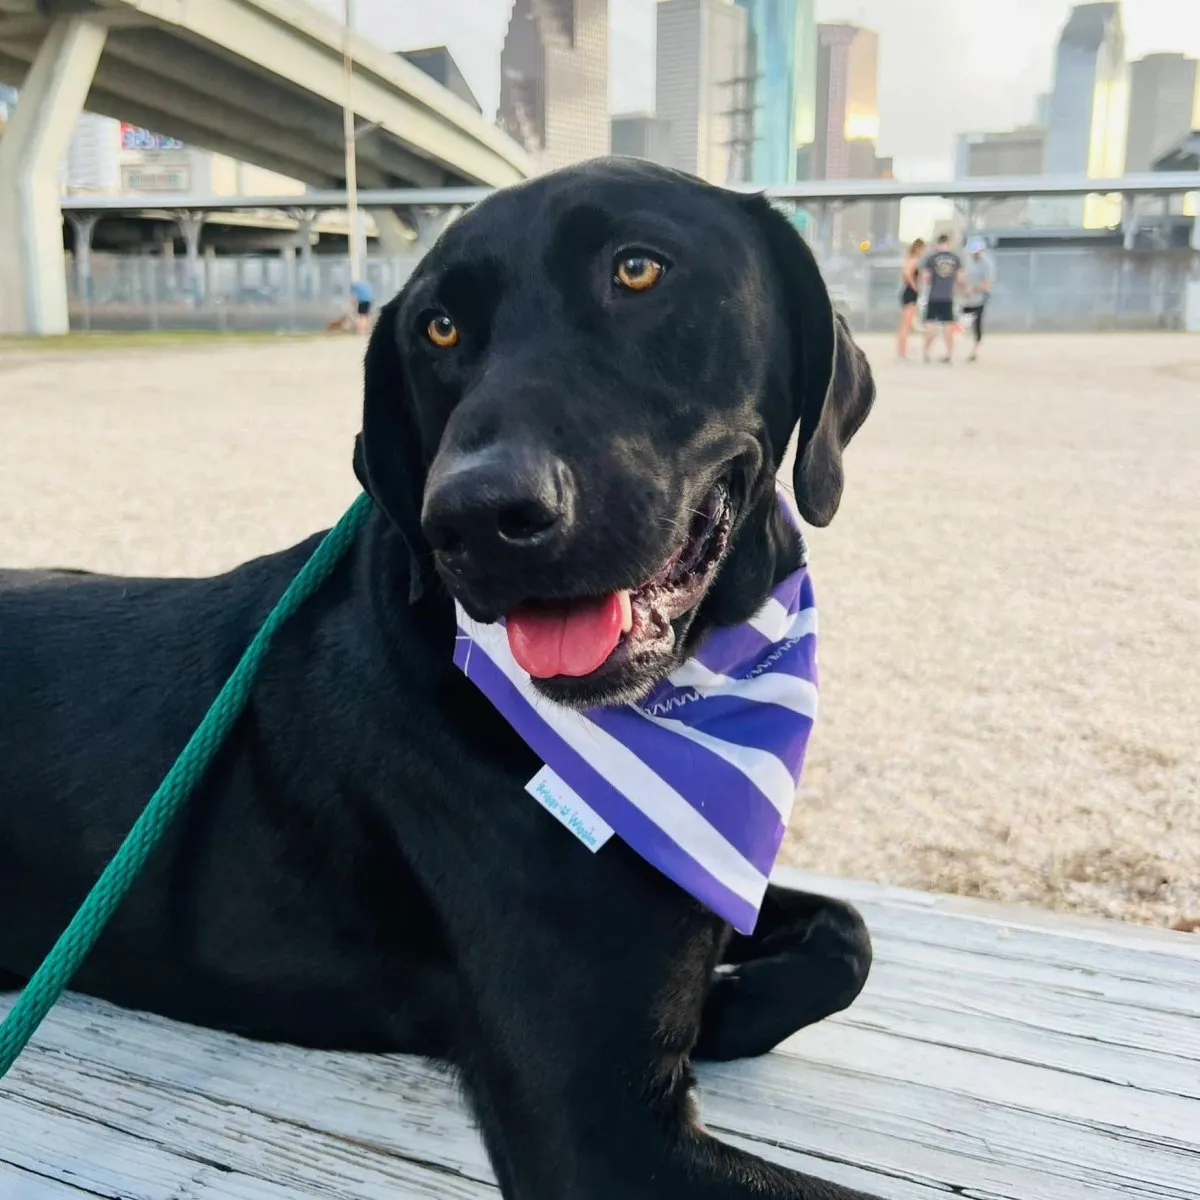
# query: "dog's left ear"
831, 383
389, 458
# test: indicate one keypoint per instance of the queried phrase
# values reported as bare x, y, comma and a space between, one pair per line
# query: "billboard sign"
133, 137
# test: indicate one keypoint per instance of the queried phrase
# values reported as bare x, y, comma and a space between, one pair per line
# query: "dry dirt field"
1010, 596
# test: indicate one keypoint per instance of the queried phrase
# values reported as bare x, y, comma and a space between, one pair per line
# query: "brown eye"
639, 272
442, 332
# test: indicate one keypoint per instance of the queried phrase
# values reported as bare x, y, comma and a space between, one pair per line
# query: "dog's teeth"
626, 610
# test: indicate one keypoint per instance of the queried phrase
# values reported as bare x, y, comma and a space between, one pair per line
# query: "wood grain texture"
996, 1053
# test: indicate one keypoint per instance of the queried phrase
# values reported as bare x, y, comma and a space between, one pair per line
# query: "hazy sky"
945, 65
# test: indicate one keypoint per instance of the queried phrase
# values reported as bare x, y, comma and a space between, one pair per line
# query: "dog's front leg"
808, 958
574, 1050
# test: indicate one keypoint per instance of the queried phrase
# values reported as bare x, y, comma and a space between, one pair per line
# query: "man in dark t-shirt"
943, 271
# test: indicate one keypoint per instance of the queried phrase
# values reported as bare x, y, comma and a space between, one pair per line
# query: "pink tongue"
574, 638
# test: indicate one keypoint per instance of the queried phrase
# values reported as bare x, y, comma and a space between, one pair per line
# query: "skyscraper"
1088, 107
438, 63
1164, 105
780, 36
705, 91
806, 85
847, 105
554, 80
93, 161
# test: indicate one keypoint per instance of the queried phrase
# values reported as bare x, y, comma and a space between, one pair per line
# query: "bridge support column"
83, 225
190, 225
33, 285
393, 233
210, 272
305, 220
429, 222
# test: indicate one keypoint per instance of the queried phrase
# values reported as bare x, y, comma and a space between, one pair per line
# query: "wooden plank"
185, 1088
991, 1056
947, 1141
997, 1026
21, 1185
65, 1157
1066, 929
944, 984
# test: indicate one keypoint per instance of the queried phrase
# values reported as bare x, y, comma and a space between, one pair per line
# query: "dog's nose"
494, 506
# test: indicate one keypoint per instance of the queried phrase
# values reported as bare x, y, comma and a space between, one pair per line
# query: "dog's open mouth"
576, 638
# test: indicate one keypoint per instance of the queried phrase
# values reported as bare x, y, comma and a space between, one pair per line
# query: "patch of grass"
141, 339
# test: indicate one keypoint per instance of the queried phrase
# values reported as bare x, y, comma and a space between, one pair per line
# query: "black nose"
495, 507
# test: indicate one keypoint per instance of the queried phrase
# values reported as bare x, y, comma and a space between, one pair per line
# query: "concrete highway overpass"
259, 80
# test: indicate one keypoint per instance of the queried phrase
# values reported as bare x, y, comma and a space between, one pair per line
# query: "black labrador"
581, 365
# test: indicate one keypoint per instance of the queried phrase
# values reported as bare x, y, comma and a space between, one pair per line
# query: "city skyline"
992, 61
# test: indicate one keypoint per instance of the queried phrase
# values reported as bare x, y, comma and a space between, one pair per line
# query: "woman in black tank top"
910, 276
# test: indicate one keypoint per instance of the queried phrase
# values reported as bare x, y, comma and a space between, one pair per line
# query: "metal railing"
1075, 288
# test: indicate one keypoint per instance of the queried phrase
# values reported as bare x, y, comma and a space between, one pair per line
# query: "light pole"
349, 138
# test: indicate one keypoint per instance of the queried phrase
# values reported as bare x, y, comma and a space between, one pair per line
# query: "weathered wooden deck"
997, 1054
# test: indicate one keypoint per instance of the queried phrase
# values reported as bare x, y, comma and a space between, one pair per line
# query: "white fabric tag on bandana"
564, 803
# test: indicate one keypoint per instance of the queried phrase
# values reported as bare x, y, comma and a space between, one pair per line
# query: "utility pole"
349, 138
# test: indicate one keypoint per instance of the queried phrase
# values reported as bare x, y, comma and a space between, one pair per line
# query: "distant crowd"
946, 293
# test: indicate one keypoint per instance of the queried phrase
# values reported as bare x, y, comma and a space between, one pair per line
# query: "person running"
981, 276
910, 291
364, 298
943, 271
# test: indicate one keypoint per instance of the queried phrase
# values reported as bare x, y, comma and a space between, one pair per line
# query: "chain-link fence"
1046, 289
1076, 288
281, 293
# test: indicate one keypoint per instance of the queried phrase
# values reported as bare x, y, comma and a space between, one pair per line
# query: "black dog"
581, 365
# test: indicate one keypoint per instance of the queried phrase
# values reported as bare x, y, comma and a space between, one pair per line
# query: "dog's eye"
638, 272
442, 332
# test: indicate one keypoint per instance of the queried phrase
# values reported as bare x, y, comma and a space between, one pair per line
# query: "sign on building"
133, 137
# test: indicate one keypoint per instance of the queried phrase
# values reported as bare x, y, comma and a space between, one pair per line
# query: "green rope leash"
51, 978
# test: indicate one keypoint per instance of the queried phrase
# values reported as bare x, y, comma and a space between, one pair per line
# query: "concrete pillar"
305, 219
170, 267
190, 225
288, 256
825, 214
210, 272
83, 225
429, 222
394, 240
1129, 220
33, 286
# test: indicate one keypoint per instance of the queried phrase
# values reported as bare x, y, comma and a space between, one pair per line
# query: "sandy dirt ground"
1010, 596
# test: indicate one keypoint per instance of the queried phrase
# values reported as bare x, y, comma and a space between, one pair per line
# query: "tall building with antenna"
782, 36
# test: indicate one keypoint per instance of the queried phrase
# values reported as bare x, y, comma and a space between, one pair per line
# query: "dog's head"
576, 408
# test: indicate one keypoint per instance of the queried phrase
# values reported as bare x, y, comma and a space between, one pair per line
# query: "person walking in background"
364, 298
981, 276
910, 292
943, 271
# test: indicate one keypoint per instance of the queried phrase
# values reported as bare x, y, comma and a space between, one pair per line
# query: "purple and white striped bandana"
700, 777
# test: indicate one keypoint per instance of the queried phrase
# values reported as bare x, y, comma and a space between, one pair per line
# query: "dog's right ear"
389, 457
832, 388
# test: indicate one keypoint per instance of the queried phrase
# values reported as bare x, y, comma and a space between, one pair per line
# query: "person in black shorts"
910, 279
943, 271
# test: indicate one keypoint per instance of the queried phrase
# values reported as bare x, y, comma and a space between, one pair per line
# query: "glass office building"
783, 65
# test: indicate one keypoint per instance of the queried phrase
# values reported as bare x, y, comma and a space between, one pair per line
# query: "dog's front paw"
797, 981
